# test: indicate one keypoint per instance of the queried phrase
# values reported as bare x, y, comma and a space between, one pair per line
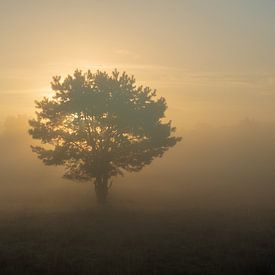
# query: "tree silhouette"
99, 125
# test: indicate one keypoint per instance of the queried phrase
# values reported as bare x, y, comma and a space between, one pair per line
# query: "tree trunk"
101, 188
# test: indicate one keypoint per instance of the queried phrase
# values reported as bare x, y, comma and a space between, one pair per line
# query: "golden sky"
213, 60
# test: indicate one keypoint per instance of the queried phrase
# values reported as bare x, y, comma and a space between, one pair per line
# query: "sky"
213, 60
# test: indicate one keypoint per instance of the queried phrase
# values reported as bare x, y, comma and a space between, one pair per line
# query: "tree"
99, 125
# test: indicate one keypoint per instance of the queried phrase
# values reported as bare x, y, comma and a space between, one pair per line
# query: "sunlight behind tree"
99, 125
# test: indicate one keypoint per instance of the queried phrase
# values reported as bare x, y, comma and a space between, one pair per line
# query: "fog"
203, 204
206, 201
211, 167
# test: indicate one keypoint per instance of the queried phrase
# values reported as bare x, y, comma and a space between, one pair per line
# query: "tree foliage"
99, 125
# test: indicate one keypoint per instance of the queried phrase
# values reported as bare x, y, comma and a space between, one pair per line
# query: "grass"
119, 239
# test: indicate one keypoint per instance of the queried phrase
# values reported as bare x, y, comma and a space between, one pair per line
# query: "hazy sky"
213, 60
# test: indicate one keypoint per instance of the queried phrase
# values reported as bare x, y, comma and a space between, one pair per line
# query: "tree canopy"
99, 126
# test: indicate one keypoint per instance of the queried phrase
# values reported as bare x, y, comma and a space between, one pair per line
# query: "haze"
206, 206
212, 60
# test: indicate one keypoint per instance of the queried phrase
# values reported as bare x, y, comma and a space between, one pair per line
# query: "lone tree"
99, 125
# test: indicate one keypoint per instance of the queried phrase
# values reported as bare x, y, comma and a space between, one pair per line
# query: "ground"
125, 238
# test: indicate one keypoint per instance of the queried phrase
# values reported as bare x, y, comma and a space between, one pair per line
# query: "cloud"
127, 54
159, 76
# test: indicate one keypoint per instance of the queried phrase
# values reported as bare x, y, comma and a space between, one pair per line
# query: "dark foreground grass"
125, 240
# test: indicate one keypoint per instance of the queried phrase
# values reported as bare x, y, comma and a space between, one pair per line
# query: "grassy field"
125, 237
